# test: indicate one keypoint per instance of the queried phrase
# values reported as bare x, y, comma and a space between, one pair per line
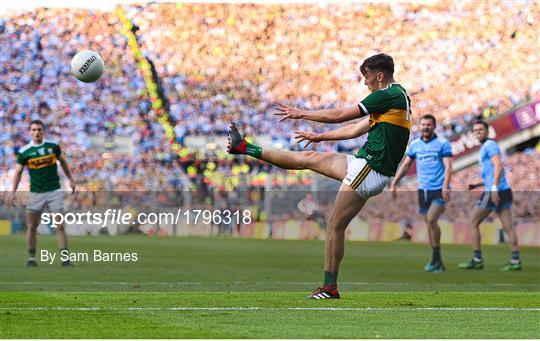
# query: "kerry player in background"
497, 197
433, 156
40, 157
386, 116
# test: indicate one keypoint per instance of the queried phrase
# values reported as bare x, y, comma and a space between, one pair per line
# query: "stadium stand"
309, 55
37, 84
219, 63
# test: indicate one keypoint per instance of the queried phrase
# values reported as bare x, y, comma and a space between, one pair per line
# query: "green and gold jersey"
41, 162
389, 111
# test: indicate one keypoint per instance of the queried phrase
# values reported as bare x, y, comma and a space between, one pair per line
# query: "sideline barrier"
293, 229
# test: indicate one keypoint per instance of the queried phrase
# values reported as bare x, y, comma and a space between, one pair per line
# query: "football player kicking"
387, 121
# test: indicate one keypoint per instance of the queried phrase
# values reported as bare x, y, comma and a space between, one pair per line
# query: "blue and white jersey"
429, 161
489, 149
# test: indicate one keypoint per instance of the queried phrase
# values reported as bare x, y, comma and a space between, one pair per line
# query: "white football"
87, 66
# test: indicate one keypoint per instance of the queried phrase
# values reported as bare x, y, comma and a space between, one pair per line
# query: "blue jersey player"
433, 157
497, 197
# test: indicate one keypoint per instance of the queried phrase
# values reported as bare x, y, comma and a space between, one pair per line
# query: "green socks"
330, 279
253, 150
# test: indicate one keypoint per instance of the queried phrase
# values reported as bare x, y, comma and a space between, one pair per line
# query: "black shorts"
428, 197
486, 203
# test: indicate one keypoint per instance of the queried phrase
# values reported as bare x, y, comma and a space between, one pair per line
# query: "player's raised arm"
343, 133
323, 116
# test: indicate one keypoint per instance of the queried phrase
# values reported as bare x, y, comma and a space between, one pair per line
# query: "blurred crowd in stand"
224, 62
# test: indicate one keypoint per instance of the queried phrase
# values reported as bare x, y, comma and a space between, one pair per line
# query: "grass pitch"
233, 288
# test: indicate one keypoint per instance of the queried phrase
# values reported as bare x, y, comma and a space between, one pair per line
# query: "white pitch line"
267, 308
257, 283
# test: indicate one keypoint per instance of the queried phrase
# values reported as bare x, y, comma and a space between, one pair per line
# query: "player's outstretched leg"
333, 165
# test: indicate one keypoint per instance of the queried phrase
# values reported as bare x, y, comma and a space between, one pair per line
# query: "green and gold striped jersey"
41, 162
389, 111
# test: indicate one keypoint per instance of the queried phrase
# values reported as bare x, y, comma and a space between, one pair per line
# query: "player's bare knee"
32, 227
431, 223
339, 223
335, 230
335, 225
508, 229
475, 223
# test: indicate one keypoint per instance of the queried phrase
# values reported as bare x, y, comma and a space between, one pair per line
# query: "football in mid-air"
87, 66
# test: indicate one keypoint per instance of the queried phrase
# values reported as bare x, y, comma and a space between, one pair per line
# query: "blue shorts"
426, 198
486, 203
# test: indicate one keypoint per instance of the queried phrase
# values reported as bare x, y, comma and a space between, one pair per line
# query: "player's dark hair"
39, 122
379, 62
482, 122
429, 117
